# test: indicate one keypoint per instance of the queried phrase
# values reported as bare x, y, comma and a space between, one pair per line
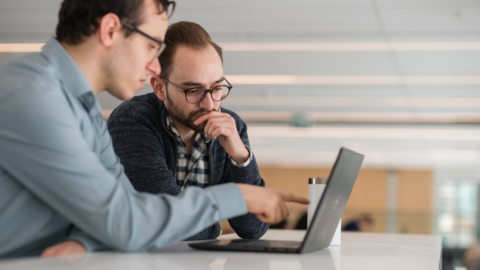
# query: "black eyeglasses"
161, 44
195, 95
170, 8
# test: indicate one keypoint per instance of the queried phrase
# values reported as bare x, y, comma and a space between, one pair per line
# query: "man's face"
133, 60
193, 68
364, 225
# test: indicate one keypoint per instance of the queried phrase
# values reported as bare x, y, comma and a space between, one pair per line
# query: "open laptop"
324, 222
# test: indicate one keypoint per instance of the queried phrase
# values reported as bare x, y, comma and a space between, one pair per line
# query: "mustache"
192, 114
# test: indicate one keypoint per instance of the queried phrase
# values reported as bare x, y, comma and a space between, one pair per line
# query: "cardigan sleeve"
246, 226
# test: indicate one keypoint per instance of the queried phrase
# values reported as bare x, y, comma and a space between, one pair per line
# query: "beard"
186, 120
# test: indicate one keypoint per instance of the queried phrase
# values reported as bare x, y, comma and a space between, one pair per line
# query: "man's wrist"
243, 162
89, 243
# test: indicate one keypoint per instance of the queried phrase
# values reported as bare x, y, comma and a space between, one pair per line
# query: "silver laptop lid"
331, 205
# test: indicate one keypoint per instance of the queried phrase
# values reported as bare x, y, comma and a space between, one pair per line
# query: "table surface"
357, 251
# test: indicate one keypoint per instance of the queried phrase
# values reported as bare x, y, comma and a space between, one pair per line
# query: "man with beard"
179, 136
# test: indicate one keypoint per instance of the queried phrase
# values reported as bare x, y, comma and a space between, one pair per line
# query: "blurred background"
396, 80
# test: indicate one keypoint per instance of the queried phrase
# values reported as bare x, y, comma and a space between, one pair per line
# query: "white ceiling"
434, 126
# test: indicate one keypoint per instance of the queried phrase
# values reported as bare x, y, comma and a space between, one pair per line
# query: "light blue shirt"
60, 177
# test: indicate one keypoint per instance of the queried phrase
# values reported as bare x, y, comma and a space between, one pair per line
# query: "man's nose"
154, 67
207, 102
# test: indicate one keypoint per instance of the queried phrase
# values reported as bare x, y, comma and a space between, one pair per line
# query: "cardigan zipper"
174, 139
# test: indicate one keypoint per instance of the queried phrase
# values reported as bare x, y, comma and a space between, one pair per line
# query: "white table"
358, 251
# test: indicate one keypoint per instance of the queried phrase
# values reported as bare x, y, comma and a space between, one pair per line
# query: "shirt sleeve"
141, 151
244, 164
43, 149
87, 241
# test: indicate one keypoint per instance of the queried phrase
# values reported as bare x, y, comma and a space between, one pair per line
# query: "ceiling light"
20, 47
352, 46
352, 80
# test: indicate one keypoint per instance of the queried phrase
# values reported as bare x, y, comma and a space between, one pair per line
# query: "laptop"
324, 222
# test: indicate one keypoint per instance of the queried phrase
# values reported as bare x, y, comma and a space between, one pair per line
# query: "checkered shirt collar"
198, 138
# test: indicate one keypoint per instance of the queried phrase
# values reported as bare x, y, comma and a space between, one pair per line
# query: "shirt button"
182, 155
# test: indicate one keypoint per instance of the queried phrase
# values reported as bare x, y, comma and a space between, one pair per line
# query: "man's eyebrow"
190, 83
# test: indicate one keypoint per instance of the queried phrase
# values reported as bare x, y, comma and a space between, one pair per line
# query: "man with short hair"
179, 136
363, 223
60, 179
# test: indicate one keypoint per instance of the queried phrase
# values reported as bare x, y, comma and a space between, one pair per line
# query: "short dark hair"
79, 19
187, 34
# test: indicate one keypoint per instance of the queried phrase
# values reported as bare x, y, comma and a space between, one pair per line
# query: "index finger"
204, 118
290, 197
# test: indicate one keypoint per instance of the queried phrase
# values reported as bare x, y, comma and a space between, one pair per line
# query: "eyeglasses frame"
205, 91
161, 44
174, 4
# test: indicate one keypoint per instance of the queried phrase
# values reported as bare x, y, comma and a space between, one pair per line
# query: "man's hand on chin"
68, 247
222, 126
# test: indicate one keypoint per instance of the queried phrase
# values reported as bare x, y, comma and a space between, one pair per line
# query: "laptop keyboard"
251, 245
266, 245
284, 244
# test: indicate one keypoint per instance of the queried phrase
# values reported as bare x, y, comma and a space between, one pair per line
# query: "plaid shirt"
194, 171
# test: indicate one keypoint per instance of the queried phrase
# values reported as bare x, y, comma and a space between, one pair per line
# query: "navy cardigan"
149, 154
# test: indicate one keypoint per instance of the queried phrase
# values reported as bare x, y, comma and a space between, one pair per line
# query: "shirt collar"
70, 74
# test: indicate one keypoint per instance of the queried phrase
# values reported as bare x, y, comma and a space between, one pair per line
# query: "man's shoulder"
144, 106
28, 73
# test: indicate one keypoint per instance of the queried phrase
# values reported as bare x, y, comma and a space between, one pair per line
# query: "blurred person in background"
471, 258
363, 223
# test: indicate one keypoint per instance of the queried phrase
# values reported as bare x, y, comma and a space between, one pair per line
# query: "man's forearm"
211, 232
248, 226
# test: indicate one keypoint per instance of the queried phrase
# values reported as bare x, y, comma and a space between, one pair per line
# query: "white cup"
316, 186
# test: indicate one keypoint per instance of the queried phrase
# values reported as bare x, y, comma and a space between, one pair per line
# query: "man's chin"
126, 96
197, 128
123, 94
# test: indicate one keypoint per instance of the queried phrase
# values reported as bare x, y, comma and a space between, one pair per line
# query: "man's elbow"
253, 232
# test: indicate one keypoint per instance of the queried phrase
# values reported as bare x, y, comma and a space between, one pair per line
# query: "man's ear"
110, 29
158, 86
